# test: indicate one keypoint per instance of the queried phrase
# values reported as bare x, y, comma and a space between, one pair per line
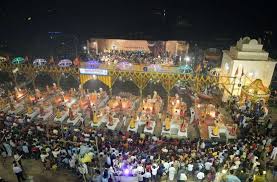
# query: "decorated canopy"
124, 65
65, 63
39, 62
214, 72
185, 69
154, 67
2, 59
92, 64
255, 91
18, 60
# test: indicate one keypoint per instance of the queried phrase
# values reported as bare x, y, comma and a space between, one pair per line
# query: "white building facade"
244, 63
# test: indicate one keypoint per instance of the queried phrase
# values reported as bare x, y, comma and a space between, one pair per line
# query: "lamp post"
85, 49
187, 59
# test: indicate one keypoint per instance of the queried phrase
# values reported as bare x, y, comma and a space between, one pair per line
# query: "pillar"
58, 81
140, 92
168, 95
111, 91
33, 83
13, 76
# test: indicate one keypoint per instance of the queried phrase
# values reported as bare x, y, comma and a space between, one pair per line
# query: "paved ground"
35, 172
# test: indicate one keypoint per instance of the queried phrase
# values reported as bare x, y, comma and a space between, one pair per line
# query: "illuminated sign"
93, 71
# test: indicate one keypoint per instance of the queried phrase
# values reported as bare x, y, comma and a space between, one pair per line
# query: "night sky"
185, 20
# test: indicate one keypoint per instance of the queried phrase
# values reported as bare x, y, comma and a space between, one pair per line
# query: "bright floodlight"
39, 62
85, 48
65, 63
92, 63
18, 60
187, 59
126, 172
124, 65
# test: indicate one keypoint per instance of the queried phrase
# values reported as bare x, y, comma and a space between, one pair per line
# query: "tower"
244, 63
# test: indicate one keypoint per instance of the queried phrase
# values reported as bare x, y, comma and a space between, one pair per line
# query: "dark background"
192, 20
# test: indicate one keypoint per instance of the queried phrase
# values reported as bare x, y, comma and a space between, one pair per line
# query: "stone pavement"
34, 172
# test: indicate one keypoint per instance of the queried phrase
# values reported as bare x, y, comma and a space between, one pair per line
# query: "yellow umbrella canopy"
255, 90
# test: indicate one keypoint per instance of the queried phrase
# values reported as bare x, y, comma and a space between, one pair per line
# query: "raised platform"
152, 129
222, 130
174, 131
34, 114
115, 123
19, 109
134, 129
183, 134
76, 120
46, 116
101, 120
165, 132
61, 119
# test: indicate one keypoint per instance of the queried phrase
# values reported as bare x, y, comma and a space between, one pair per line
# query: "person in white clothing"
72, 163
147, 176
56, 153
183, 177
202, 145
200, 176
171, 173
192, 115
154, 169
124, 119
17, 170
140, 177
43, 156
274, 153
190, 168
140, 169
208, 165
166, 166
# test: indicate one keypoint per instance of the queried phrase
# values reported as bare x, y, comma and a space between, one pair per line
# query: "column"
58, 79
111, 91
140, 93
168, 95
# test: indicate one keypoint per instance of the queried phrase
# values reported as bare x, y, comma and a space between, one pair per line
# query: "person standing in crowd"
154, 169
147, 176
25, 149
142, 155
182, 177
17, 159
17, 170
8, 148
200, 176
269, 126
273, 153
171, 173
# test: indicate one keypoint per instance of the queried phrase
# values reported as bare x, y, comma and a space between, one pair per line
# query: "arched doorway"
125, 86
42, 80
95, 85
68, 81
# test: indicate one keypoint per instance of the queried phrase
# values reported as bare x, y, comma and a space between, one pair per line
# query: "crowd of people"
104, 155
137, 57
